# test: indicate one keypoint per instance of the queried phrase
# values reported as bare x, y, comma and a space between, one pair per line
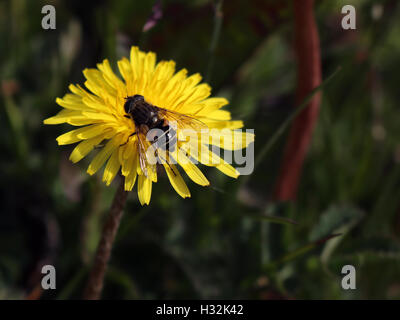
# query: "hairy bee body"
147, 117
153, 128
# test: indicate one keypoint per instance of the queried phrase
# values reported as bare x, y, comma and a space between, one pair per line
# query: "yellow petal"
192, 81
160, 79
62, 116
130, 164
130, 148
177, 181
125, 69
128, 156
211, 105
81, 121
110, 76
130, 181
229, 139
222, 124
71, 103
219, 115
103, 155
162, 72
99, 116
136, 60
191, 96
112, 168
82, 149
144, 189
149, 62
202, 91
84, 133
94, 104
228, 170
78, 90
96, 83
69, 137
172, 91
209, 158
92, 131
192, 170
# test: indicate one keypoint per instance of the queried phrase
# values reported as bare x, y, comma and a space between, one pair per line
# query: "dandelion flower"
100, 112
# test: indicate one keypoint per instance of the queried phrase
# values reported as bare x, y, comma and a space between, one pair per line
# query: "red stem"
308, 77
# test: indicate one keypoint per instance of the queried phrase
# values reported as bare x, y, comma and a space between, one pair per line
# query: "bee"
148, 117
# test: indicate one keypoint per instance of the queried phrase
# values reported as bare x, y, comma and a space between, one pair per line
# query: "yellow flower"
99, 111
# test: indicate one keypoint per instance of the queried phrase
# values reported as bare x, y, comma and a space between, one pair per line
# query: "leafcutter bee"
148, 117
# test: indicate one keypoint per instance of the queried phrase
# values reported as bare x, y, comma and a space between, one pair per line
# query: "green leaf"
334, 219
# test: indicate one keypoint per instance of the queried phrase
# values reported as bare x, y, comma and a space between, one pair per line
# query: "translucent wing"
175, 120
161, 141
183, 121
162, 155
148, 169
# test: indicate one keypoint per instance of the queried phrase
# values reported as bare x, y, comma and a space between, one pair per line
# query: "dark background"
222, 242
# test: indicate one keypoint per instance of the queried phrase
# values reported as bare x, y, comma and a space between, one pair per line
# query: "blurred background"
234, 239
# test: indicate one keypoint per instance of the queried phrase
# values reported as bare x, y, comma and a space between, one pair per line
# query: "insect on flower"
147, 118
142, 120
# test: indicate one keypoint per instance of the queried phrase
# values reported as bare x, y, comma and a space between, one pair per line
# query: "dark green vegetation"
229, 240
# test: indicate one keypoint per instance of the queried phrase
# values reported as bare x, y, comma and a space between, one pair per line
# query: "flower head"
101, 113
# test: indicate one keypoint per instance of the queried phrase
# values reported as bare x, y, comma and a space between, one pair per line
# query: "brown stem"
308, 78
95, 284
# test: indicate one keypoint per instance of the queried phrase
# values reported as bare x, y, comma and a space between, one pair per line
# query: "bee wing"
183, 121
167, 160
143, 146
142, 154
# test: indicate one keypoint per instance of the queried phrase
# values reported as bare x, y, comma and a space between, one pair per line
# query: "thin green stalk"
218, 18
278, 133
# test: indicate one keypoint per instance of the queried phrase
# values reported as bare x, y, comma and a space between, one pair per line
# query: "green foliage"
229, 240
336, 219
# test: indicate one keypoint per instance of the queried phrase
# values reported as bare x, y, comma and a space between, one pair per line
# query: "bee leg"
127, 139
171, 169
157, 156
127, 116
165, 160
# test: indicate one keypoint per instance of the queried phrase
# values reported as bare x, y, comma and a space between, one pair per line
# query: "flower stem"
95, 283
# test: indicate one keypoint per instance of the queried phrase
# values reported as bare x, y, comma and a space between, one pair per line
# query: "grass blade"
278, 133
299, 252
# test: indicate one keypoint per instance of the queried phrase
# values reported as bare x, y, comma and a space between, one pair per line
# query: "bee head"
131, 101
